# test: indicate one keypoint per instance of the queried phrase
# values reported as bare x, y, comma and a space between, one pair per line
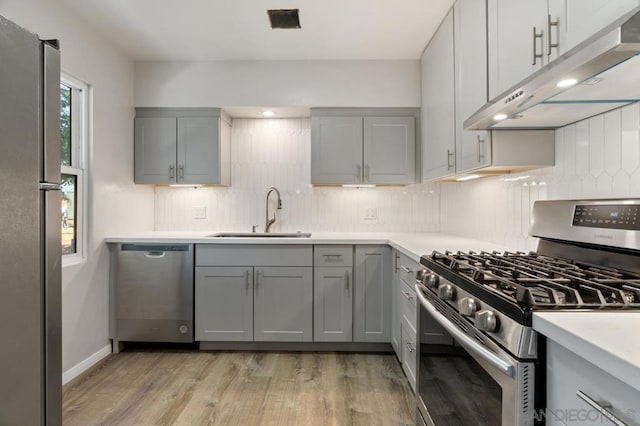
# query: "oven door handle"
467, 342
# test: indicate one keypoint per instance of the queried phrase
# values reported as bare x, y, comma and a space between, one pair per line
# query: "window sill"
69, 260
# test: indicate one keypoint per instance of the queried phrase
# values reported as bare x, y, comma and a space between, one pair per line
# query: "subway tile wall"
595, 158
276, 152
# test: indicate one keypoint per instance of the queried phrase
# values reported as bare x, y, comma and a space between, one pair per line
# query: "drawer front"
409, 352
254, 255
568, 374
407, 269
408, 304
333, 255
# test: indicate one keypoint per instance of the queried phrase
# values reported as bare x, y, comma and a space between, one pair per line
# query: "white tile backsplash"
595, 158
277, 152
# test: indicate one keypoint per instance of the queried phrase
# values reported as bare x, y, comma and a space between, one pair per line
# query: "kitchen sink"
260, 235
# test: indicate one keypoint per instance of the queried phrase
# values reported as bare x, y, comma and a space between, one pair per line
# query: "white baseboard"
85, 364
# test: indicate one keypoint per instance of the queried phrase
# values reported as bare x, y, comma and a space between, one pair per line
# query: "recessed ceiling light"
500, 117
567, 82
268, 113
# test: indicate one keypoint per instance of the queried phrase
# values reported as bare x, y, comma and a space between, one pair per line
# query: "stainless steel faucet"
270, 222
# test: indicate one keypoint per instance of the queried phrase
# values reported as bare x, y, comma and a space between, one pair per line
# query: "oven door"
463, 377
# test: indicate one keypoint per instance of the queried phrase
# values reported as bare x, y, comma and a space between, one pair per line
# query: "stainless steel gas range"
479, 360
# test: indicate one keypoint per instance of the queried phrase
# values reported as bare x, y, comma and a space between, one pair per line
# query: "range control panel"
612, 216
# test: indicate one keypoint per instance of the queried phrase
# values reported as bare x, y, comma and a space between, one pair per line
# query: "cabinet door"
372, 309
155, 150
389, 150
333, 305
472, 147
224, 304
396, 311
511, 42
198, 150
336, 150
409, 353
283, 308
580, 19
438, 113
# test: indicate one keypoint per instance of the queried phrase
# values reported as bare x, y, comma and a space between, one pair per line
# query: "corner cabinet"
182, 146
373, 285
351, 147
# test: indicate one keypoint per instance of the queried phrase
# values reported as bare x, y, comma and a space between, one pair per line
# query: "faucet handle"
253, 228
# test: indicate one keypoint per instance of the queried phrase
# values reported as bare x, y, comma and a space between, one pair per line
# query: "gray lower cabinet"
395, 307
372, 306
283, 304
224, 304
333, 304
409, 354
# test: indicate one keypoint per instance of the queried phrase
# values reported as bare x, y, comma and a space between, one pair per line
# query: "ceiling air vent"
284, 18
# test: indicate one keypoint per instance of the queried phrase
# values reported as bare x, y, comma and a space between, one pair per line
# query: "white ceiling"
239, 29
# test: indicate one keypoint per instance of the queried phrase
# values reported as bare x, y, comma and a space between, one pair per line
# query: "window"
73, 135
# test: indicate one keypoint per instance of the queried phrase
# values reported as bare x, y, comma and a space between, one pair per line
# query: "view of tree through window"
69, 182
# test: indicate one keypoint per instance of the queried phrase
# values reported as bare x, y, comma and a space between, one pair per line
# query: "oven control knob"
446, 292
432, 280
487, 321
422, 275
468, 306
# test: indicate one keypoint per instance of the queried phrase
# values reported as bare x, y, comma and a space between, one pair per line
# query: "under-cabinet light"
186, 186
358, 186
468, 177
268, 113
500, 117
567, 82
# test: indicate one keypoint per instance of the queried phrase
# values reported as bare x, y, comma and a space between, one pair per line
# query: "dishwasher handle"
155, 254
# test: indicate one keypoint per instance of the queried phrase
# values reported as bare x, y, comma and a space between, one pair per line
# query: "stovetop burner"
535, 281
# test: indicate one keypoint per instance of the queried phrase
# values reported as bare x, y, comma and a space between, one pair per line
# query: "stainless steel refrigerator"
30, 228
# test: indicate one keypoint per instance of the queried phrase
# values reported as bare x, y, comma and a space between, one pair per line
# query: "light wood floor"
241, 388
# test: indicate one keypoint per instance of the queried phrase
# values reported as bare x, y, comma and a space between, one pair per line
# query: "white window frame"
80, 133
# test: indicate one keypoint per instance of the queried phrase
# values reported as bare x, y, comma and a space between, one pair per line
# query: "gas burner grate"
539, 281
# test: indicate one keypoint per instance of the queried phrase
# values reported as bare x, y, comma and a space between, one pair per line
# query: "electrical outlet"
199, 212
370, 213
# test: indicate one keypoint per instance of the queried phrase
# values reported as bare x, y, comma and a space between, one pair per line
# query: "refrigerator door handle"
47, 186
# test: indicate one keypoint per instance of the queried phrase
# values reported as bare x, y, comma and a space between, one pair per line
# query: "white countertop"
608, 340
413, 245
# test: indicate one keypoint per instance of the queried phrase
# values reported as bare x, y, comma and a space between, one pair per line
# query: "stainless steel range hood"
606, 67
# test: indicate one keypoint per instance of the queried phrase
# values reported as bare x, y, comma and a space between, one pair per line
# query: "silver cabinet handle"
480, 149
536, 55
346, 282
408, 295
550, 24
410, 347
407, 270
172, 171
359, 172
257, 279
181, 172
333, 256
366, 173
247, 279
449, 158
505, 366
397, 258
602, 407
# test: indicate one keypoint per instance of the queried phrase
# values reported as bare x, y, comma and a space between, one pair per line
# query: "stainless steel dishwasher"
153, 293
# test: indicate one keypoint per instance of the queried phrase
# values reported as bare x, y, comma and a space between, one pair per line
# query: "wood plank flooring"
241, 388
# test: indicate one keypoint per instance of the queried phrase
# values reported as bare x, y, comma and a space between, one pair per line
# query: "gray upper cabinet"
224, 303
336, 150
372, 307
283, 304
438, 108
473, 148
182, 146
333, 304
363, 146
517, 29
389, 150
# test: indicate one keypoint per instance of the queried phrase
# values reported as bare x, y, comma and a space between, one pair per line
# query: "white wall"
595, 158
276, 152
115, 203
278, 83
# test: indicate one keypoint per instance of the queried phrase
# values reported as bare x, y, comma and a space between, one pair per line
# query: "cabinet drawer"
255, 255
408, 304
409, 353
407, 269
333, 255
